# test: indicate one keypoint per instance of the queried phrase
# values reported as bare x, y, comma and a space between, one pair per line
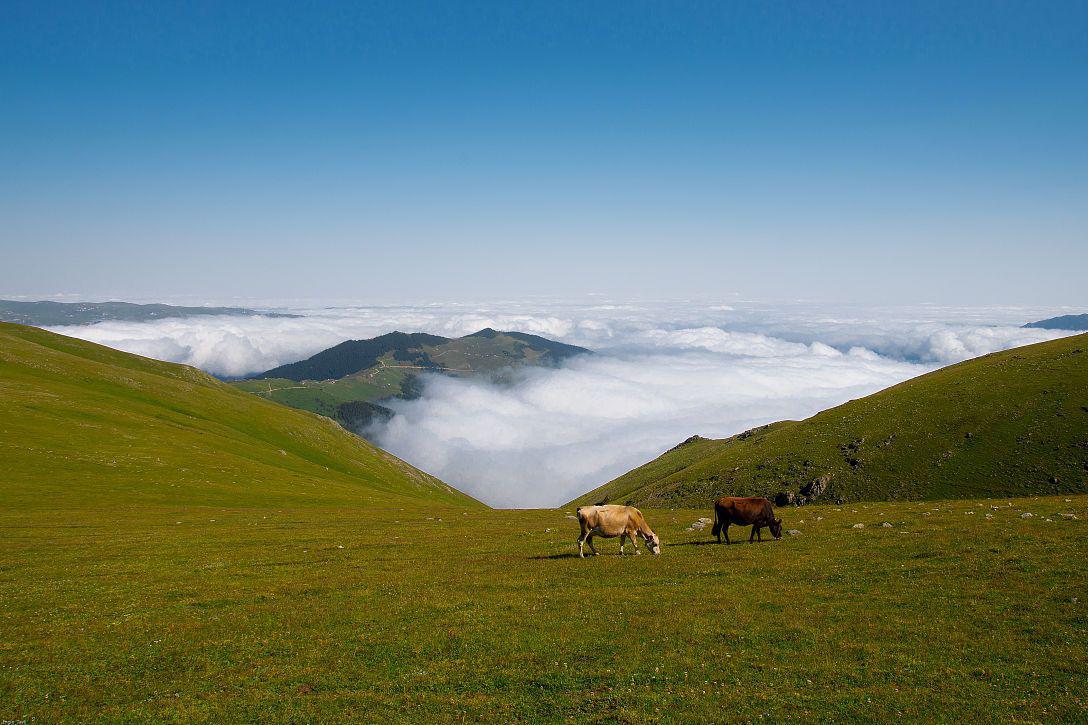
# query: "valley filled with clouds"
663, 370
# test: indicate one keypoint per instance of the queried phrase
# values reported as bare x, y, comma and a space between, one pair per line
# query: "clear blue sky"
902, 151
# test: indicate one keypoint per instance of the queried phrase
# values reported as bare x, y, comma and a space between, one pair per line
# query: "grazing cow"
755, 512
612, 521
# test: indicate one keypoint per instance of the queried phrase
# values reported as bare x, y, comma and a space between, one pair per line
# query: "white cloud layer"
557, 433
665, 370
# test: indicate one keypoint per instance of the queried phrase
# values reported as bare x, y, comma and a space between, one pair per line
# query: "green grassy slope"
324, 396
1008, 424
83, 425
162, 561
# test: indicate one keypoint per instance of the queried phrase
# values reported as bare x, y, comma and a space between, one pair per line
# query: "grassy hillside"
335, 381
83, 425
173, 550
1012, 423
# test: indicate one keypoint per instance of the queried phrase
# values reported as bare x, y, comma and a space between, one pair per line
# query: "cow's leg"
759, 533
752, 536
622, 537
581, 546
726, 530
634, 544
591, 546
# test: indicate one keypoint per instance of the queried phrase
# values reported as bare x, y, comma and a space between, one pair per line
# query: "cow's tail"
717, 522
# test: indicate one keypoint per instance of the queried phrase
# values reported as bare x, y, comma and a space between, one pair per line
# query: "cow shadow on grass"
553, 557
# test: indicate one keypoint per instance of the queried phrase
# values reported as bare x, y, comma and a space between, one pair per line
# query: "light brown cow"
611, 521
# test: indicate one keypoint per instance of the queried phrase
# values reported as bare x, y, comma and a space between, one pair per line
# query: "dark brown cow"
755, 512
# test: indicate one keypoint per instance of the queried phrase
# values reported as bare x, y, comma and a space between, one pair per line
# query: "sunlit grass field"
158, 613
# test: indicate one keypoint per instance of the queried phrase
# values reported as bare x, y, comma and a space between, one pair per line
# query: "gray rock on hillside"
816, 488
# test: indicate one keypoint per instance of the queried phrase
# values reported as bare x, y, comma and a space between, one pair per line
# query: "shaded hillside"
1007, 424
82, 424
50, 314
352, 356
1064, 322
334, 381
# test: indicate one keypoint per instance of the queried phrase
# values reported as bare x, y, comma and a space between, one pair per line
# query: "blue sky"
851, 152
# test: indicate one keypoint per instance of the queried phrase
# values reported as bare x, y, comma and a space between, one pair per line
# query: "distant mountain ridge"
1012, 423
347, 381
420, 349
53, 314
351, 356
1063, 322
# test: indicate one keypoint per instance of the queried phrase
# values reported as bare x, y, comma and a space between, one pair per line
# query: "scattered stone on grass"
858, 526
1026, 515
886, 525
793, 532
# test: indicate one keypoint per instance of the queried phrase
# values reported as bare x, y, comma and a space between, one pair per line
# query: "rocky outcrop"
816, 487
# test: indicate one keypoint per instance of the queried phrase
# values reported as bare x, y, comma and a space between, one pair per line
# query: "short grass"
172, 549
323, 396
438, 614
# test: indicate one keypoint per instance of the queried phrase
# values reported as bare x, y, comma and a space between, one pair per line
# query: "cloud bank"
554, 434
664, 371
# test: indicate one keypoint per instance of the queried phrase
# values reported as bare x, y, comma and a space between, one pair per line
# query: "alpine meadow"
430, 362
175, 549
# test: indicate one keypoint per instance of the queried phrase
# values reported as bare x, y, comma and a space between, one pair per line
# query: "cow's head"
653, 543
776, 528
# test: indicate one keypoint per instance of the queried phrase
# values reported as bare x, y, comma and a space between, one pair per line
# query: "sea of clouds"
663, 370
